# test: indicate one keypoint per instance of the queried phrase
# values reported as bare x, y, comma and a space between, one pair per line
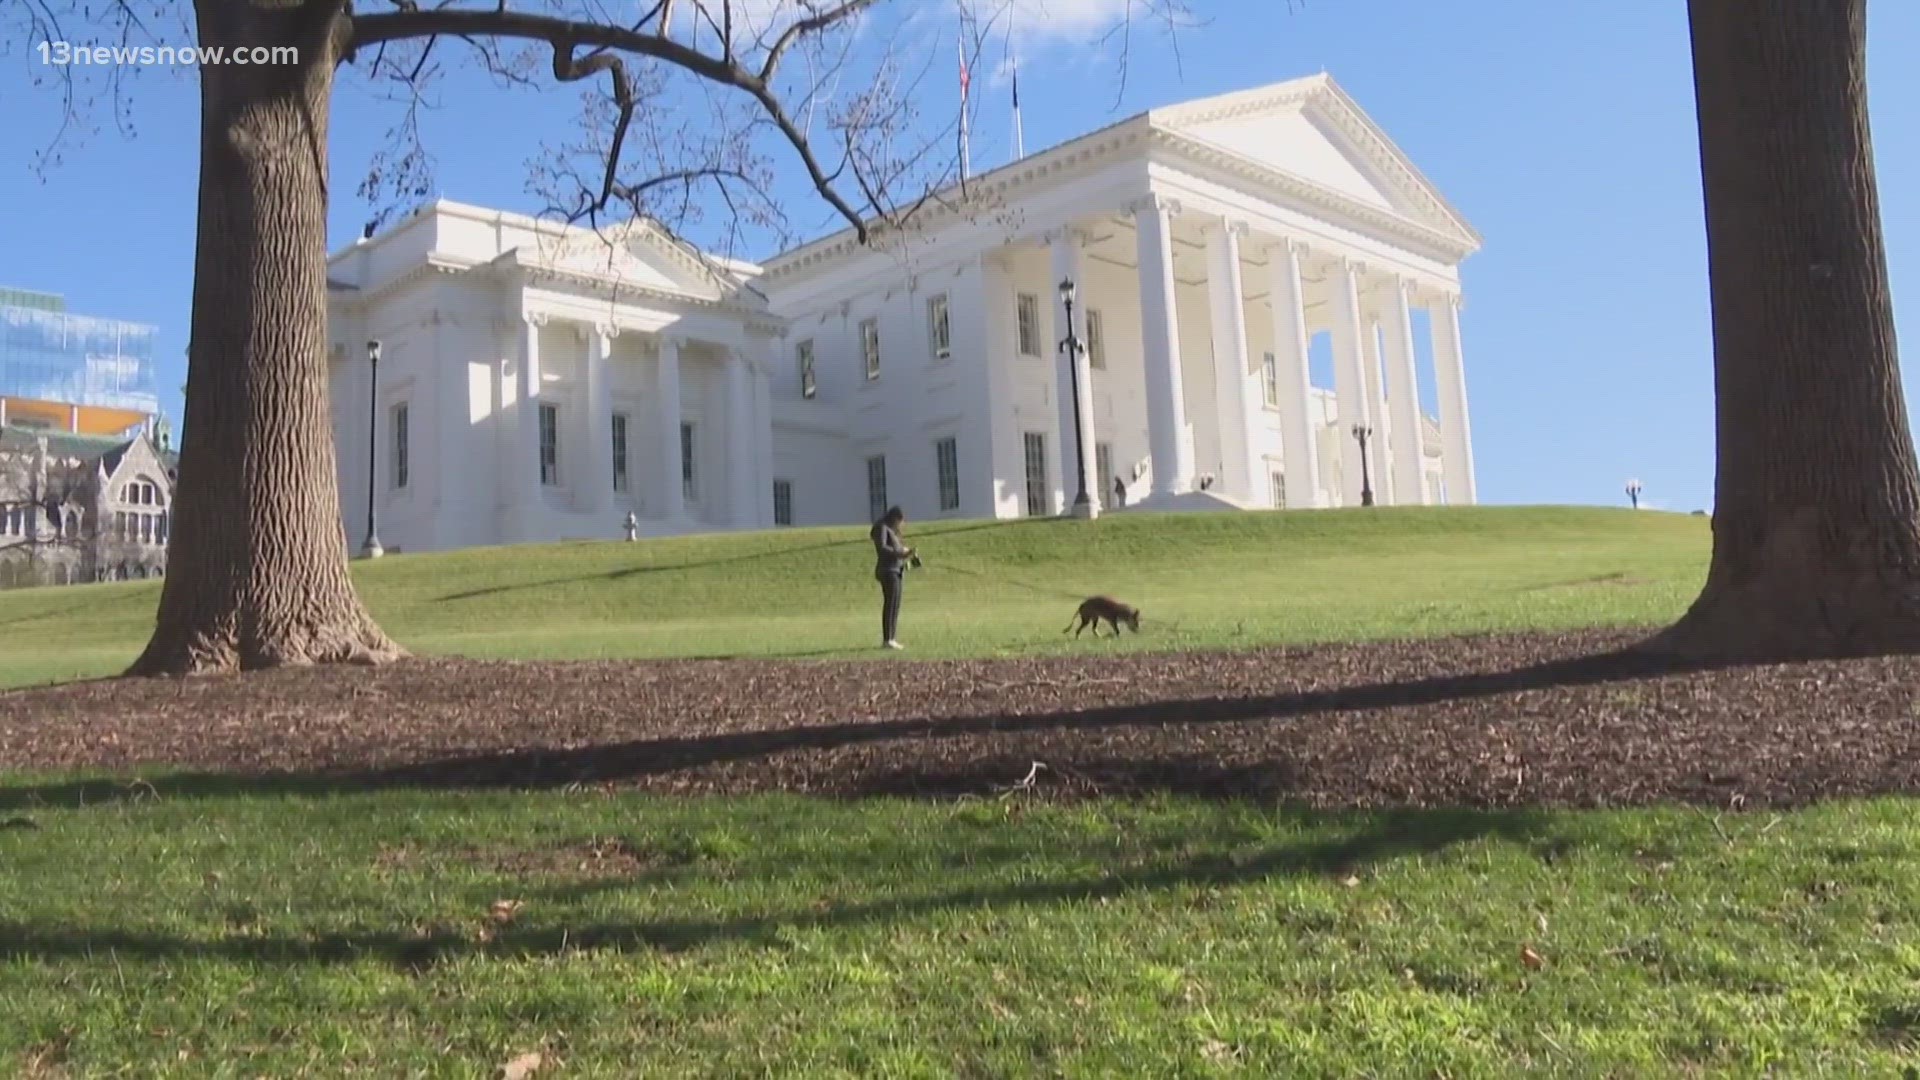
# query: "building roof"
65, 444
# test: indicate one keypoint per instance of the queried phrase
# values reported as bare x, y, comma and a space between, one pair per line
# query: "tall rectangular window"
946, 456
1103, 469
876, 487
689, 480
1096, 341
550, 444
870, 346
398, 454
1270, 378
1279, 480
809, 383
1036, 454
939, 327
1027, 313
619, 451
783, 502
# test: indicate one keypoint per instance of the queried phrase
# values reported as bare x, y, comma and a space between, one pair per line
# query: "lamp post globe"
372, 549
1072, 346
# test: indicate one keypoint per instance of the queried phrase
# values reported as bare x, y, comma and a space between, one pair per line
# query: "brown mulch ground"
1484, 721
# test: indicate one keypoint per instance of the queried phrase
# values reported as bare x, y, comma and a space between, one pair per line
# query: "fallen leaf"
1530, 958
521, 1067
505, 910
1351, 881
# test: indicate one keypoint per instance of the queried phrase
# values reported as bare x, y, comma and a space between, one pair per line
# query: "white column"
673, 503
1349, 377
1379, 445
527, 393
1299, 442
1236, 395
742, 444
763, 433
599, 464
1160, 346
1449, 374
1065, 244
1403, 397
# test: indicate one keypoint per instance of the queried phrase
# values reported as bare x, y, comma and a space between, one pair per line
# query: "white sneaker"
895, 645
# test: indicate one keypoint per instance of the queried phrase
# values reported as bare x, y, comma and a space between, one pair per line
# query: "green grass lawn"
988, 588
197, 928
202, 934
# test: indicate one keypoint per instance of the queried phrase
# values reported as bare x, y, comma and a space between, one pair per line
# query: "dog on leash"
1094, 609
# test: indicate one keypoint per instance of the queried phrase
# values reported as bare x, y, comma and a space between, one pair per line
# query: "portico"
1198, 368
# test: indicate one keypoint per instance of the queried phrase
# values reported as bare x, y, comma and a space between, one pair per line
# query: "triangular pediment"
640, 255
1310, 129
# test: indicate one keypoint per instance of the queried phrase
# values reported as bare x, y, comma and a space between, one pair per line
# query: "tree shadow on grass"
1373, 840
706, 564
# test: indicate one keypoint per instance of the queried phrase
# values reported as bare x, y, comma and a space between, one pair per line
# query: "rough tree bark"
257, 573
1816, 518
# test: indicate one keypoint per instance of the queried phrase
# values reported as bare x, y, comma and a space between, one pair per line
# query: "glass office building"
51, 355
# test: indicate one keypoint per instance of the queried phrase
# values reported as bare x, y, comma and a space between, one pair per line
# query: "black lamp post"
1633, 493
1072, 346
372, 549
1362, 433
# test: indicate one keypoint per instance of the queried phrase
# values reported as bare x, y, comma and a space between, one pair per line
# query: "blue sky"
1564, 132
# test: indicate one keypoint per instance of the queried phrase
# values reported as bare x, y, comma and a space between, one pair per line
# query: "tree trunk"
257, 563
1816, 517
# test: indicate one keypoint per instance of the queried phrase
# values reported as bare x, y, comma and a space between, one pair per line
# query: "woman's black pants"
890, 583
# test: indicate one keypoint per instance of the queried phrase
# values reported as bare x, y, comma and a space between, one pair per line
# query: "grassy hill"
1204, 581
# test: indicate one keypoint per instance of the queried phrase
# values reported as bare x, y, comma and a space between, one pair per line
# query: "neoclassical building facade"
537, 382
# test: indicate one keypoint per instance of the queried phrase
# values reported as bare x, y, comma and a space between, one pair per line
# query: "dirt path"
1487, 721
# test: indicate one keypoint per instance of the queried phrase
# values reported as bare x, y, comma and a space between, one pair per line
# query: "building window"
399, 437
119, 524
1279, 481
689, 480
161, 534
809, 383
783, 502
1037, 494
1103, 469
550, 445
870, 346
1096, 341
1027, 311
876, 487
939, 327
73, 524
619, 451
1270, 379
146, 528
946, 456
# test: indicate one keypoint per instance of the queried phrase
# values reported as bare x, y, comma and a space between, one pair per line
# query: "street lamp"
1072, 346
372, 549
1633, 493
1362, 433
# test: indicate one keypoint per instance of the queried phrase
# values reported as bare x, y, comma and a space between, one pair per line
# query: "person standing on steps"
892, 555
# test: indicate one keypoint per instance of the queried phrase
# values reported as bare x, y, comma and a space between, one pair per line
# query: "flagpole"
961, 46
1019, 136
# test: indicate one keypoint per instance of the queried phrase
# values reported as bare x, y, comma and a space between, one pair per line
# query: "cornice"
1076, 158
750, 316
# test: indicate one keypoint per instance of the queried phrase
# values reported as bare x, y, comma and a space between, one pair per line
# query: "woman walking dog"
893, 556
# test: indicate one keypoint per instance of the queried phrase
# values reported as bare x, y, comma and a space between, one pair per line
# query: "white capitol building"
538, 382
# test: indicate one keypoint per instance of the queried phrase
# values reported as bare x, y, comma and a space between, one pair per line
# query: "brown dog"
1096, 608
